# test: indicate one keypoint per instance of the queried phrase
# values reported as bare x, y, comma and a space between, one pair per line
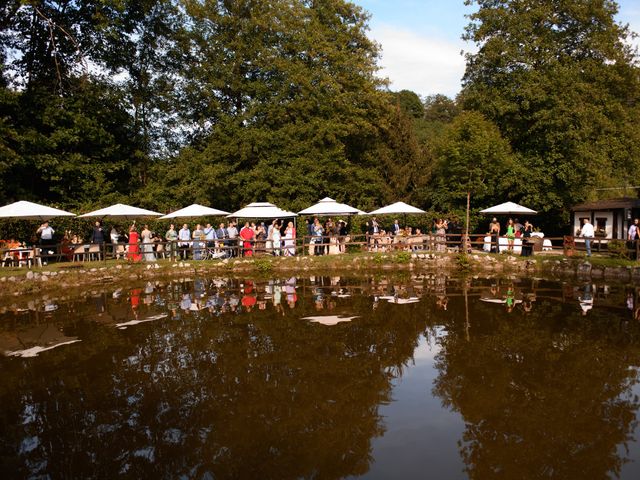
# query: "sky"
421, 44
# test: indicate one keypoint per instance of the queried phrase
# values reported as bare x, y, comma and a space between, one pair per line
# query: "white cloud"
424, 64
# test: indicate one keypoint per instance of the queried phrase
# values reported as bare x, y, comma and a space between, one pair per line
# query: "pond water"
325, 377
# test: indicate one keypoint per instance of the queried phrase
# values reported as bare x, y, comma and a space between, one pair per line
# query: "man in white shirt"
184, 237
45, 232
46, 240
232, 231
633, 231
210, 235
587, 233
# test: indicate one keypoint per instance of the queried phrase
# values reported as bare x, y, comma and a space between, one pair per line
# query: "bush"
263, 265
618, 249
403, 257
462, 259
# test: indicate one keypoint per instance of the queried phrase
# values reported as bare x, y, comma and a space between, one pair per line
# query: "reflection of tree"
255, 395
540, 399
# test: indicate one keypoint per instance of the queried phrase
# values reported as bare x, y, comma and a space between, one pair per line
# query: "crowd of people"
207, 241
276, 237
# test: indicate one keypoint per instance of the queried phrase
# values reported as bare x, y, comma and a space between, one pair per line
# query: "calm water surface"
325, 377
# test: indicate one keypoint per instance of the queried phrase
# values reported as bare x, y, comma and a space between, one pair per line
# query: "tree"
410, 103
440, 108
473, 158
563, 86
71, 133
284, 100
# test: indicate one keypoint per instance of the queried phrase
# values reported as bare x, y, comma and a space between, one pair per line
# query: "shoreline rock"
78, 277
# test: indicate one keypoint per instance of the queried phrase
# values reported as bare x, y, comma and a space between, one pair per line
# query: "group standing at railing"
275, 238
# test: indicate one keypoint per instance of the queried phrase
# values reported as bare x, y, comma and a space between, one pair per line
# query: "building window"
601, 227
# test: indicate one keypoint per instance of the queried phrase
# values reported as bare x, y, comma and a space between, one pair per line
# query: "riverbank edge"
67, 277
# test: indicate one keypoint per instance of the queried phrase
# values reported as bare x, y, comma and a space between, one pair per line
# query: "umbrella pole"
466, 228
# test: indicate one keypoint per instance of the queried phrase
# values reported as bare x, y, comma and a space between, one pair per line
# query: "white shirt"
633, 231
184, 234
47, 233
233, 232
587, 230
210, 233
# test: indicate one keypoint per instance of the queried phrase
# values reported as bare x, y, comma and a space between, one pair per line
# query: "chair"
79, 252
7, 259
121, 251
95, 251
34, 257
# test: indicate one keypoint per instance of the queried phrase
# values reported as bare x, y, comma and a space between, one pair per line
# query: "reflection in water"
215, 378
545, 395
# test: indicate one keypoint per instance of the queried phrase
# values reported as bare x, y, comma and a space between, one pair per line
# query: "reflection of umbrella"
24, 209
400, 301
398, 207
195, 211
508, 208
130, 323
261, 210
498, 300
329, 319
40, 339
328, 206
121, 211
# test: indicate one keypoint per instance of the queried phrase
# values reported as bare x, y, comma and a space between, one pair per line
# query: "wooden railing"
306, 245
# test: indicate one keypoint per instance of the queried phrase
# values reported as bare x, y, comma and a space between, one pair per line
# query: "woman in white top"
289, 240
147, 244
277, 237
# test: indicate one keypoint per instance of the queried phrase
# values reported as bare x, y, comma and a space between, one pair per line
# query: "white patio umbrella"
195, 211
394, 208
24, 209
261, 210
397, 208
508, 208
328, 206
121, 211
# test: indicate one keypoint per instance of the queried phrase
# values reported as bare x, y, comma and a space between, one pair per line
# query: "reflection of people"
290, 290
586, 300
527, 305
510, 298
442, 302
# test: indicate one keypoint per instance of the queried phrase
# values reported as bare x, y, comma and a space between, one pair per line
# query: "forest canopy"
162, 103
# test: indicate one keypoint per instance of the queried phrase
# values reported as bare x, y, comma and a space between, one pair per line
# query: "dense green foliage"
563, 87
162, 103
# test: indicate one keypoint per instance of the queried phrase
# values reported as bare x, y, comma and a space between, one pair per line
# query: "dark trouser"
184, 251
495, 243
45, 247
319, 248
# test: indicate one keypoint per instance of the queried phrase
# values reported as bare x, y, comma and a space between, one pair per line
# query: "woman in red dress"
133, 255
247, 235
